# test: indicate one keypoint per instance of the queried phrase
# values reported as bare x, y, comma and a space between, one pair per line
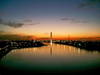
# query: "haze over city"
35, 19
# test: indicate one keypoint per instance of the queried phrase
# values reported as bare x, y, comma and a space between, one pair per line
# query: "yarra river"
53, 58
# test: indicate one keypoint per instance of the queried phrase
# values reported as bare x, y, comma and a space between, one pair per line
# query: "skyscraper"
51, 38
50, 43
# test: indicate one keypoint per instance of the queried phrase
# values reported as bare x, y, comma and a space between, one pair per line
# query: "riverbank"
7, 47
88, 45
4, 52
36, 44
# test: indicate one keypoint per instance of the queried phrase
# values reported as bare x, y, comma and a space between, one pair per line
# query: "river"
53, 58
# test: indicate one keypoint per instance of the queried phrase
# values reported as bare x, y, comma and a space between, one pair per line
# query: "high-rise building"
50, 43
51, 38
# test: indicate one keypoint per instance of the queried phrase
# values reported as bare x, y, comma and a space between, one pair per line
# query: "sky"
35, 19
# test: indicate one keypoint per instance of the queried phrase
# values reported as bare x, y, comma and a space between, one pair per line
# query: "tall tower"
50, 43
51, 38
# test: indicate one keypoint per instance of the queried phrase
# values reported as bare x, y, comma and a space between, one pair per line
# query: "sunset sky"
35, 19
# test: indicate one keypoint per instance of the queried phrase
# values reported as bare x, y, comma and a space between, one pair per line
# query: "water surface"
53, 58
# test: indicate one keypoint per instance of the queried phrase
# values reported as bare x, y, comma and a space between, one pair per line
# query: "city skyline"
35, 19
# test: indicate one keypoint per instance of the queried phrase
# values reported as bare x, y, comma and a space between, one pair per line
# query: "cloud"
46, 33
10, 36
45, 38
1, 31
89, 38
66, 19
92, 4
27, 21
82, 38
14, 24
29, 37
15, 36
11, 24
0, 20
93, 37
85, 21
73, 20
34, 23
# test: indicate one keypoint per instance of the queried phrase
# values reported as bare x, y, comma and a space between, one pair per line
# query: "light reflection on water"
52, 57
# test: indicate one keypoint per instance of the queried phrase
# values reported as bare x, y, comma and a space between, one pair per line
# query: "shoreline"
5, 51
82, 46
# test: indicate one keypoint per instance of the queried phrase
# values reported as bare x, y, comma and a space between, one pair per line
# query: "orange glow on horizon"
63, 38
